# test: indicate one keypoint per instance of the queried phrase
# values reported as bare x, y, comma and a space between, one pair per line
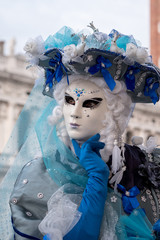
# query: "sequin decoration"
158, 196
28, 164
143, 198
113, 199
14, 201
47, 89
25, 181
29, 214
94, 91
152, 202
40, 195
79, 92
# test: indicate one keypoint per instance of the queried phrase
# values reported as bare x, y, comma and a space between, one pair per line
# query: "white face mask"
84, 110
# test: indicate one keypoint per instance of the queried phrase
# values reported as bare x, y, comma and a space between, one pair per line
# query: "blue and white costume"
71, 193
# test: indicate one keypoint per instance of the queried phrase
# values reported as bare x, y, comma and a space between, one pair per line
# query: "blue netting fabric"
67, 36
135, 226
66, 168
33, 137
22, 146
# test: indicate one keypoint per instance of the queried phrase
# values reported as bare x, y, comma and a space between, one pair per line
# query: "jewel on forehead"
79, 92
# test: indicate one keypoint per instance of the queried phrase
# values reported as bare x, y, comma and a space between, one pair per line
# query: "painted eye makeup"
92, 103
69, 99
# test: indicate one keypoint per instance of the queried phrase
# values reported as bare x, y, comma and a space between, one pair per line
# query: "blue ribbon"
130, 77
102, 65
156, 228
129, 199
150, 89
58, 72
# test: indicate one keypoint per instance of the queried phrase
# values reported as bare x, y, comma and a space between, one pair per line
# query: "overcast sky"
24, 19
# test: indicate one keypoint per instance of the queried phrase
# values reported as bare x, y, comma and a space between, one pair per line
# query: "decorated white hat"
114, 57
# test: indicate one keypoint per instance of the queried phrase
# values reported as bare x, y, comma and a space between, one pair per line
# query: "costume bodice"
34, 187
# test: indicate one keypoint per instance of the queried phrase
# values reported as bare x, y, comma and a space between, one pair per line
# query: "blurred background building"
16, 84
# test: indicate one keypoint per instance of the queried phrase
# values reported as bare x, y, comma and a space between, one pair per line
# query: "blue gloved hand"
94, 196
46, 237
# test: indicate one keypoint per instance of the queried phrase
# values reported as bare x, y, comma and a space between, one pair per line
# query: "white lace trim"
62, 214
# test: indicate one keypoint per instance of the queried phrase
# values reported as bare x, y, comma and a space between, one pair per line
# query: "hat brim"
135, 75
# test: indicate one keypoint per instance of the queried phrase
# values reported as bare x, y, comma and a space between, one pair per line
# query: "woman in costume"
88, 184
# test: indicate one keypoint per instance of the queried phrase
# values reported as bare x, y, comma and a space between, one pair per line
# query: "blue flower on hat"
102, 65
150, 89
130, 77
56, 74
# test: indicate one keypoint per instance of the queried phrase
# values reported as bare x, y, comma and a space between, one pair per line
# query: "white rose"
131, 50
31, 47
34, 46
142, 55
138, 54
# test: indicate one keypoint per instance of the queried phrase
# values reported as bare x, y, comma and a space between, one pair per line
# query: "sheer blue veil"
33, 137
22, 146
